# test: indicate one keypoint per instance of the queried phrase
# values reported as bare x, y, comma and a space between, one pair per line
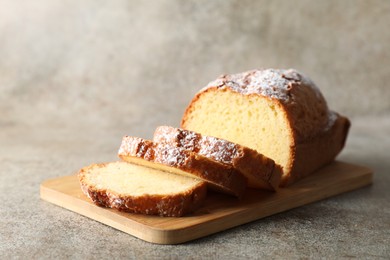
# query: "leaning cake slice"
259, 170
220, 177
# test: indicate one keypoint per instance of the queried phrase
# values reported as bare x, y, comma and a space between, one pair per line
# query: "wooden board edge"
182, 235
106, 216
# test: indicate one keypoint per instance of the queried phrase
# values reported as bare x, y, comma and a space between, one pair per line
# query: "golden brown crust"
191, 105
221, 177
257, 168
167, 205
317, 152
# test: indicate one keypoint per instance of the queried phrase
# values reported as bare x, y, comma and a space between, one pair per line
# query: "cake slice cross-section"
138, 189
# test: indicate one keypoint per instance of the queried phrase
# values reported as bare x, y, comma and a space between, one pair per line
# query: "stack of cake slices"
170, 175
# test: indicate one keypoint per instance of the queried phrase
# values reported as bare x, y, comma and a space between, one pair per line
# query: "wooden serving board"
220, 212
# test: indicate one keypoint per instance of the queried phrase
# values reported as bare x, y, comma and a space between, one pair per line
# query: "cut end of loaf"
253, 121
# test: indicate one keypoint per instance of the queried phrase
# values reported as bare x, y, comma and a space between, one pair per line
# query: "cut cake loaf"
220, 177
280, 113
138, 189
259, 170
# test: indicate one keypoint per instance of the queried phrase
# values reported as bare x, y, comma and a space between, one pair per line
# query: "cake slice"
259, 170
279, 113
138, 189
220, 177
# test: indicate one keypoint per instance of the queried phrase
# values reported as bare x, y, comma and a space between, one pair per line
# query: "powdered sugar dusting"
168, 155
215, 148
273, 83
129, 145
218, 149
332, 117
184, 139
155, 152
135, 146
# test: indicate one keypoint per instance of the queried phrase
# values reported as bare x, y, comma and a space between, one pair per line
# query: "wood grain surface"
219, 213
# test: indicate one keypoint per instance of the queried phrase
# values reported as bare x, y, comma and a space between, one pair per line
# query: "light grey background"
140, 62
75, 76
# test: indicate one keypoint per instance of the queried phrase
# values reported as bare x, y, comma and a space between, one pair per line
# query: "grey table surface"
75, 76
354, 224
